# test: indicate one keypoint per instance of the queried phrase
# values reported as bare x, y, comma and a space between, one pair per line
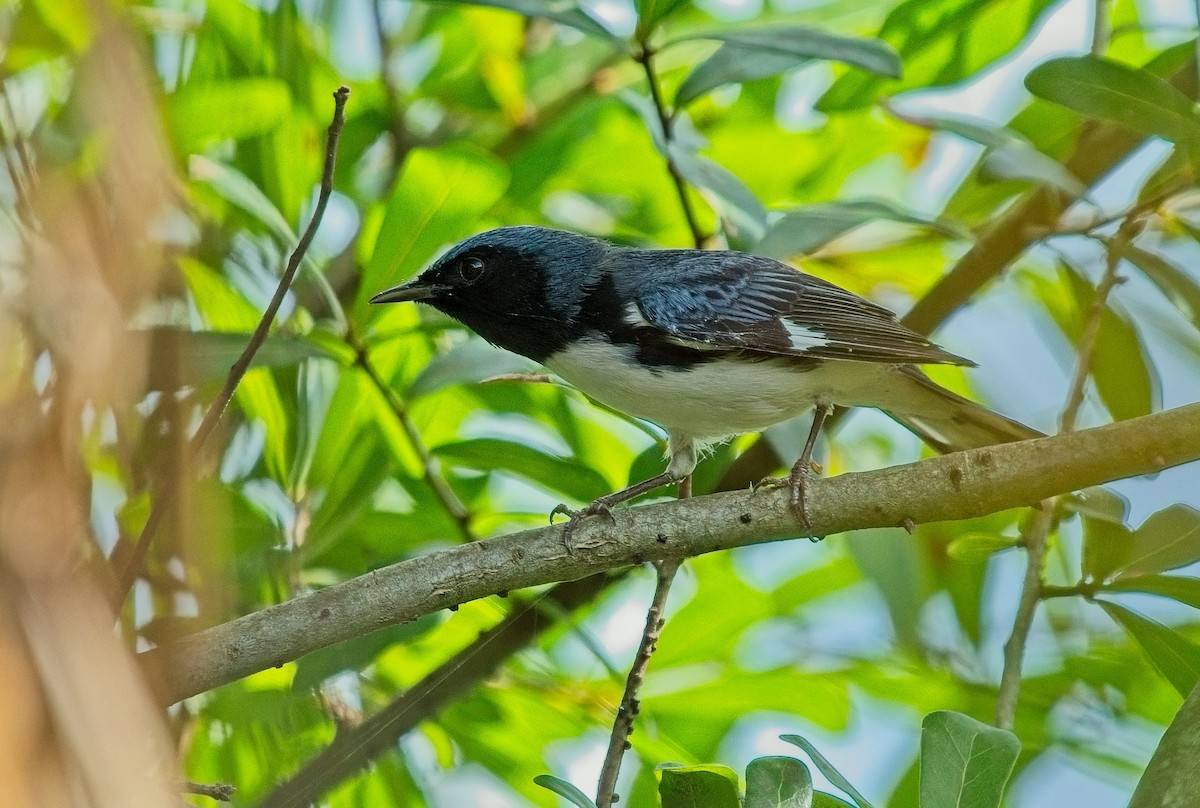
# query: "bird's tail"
947, 421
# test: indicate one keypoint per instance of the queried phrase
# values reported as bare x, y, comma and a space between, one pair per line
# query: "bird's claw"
797, 482
576, 517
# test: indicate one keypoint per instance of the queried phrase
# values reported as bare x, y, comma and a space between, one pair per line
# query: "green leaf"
1177, 587
1168, 539
562, 12
438, 200
1098, 503
977, 548
466, 363
828, 769
560, 474
778, 782
738, 204
1102, 88
706, 786
565, 790
202, 112
804, 230
1174, 657
1175, 284
354, 654
964, 763
1107, 547
652, 12
823, 800
940, 42
182, 357
1011, 156
754, 53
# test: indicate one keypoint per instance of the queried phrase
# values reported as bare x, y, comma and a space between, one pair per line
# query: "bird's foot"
797, 482
599, 506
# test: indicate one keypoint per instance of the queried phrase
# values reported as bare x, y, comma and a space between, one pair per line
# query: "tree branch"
354, 748
137, 556
956, 486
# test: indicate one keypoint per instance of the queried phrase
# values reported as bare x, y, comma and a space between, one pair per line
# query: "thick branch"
957, 486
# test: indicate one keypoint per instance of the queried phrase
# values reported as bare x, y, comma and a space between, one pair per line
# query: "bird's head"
517, 287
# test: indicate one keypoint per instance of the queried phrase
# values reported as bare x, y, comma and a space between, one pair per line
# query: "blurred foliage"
831, 133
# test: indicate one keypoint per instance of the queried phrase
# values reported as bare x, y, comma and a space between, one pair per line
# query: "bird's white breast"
711, 400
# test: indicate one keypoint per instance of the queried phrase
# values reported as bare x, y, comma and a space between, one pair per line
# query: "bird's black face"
499, 290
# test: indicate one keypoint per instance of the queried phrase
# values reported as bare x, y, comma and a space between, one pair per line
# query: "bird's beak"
413, 290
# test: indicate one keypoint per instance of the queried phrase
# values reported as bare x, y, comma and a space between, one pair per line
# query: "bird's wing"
724, 300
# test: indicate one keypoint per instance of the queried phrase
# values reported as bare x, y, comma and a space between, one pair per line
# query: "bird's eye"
471, 269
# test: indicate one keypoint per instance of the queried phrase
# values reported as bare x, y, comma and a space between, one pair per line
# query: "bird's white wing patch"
802, 338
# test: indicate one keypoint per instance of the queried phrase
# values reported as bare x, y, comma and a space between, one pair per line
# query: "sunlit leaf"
939, 43
200, 113
709, 785
747, 54
438, 200
964, 762
1177, 659
1101, 88
828, 769
977, 548
778, 782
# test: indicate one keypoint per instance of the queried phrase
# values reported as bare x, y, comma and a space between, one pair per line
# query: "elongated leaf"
755, 53
737, 203
466, 363
1168, 539
1174, 657
1102, 88
1011, 155
652, 12
565, 790
182, 357
1177, 587
438, 199
564, 13
964, 763
828, 769
710, 786
939, 42
804, 230
1019, 161
977, 548
555, 473
1175, 284
823, 800
200, 113
778, 782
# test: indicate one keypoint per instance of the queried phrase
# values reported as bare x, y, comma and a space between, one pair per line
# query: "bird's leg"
798, 480
604, 504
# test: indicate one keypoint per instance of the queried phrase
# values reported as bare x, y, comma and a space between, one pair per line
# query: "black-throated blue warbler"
704, 343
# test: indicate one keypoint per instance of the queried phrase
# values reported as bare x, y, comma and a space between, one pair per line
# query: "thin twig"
221, 792
618, 743
1037, 536
1101, 26
429, 464
137, 557
646, 59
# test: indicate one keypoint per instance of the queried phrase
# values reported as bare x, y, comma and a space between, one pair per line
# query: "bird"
706, 344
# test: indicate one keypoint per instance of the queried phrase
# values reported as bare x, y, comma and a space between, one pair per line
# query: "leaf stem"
1037, 535
666, 120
